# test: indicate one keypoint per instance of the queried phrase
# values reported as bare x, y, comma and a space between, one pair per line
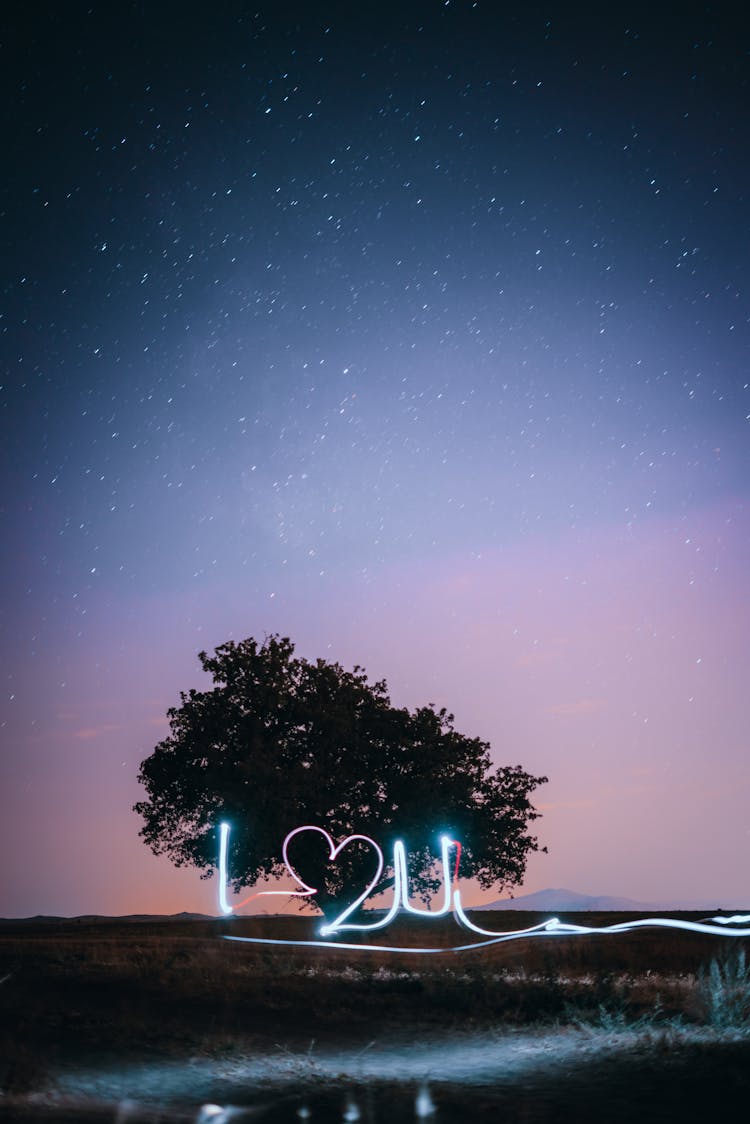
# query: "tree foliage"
280, 741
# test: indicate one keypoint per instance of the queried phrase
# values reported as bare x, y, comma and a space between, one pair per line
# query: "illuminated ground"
559, 1076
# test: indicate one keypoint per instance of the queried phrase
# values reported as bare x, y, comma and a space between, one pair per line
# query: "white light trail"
552, 927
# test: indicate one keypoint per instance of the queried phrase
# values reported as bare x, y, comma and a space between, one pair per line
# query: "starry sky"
417, 332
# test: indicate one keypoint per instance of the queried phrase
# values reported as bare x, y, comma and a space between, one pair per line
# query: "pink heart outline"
334, 850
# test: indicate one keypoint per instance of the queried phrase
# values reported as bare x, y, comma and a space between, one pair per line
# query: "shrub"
723, 992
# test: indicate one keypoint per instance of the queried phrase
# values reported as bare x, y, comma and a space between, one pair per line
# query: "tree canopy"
280, 741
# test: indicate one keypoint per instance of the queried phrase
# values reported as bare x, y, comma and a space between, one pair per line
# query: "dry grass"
75, 989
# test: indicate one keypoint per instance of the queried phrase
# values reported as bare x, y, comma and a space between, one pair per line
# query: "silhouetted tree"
280, 741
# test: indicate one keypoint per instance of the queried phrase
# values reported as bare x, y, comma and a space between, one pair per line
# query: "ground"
145, 1021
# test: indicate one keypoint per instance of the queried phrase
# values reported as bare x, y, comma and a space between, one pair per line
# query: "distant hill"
570, 901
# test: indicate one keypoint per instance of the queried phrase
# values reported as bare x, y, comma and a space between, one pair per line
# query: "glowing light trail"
401, 891
224, 905
553, 927
334, 850
351, 946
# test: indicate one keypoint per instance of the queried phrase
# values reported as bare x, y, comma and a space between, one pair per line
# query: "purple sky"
419, 337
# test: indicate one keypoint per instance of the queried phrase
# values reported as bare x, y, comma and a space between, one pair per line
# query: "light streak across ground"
550, 928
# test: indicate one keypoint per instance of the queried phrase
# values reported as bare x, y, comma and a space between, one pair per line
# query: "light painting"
735, 926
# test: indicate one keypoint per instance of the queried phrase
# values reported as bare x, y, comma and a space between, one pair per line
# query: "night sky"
417, 332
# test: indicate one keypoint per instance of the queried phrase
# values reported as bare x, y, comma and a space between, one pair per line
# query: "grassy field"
99, 996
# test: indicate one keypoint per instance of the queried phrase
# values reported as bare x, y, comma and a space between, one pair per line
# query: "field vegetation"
91, 991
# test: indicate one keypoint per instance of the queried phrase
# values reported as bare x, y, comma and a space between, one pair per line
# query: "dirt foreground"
167, 1022
566, 1075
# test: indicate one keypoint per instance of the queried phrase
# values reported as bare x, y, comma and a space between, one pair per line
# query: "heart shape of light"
306, 891
334, 850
